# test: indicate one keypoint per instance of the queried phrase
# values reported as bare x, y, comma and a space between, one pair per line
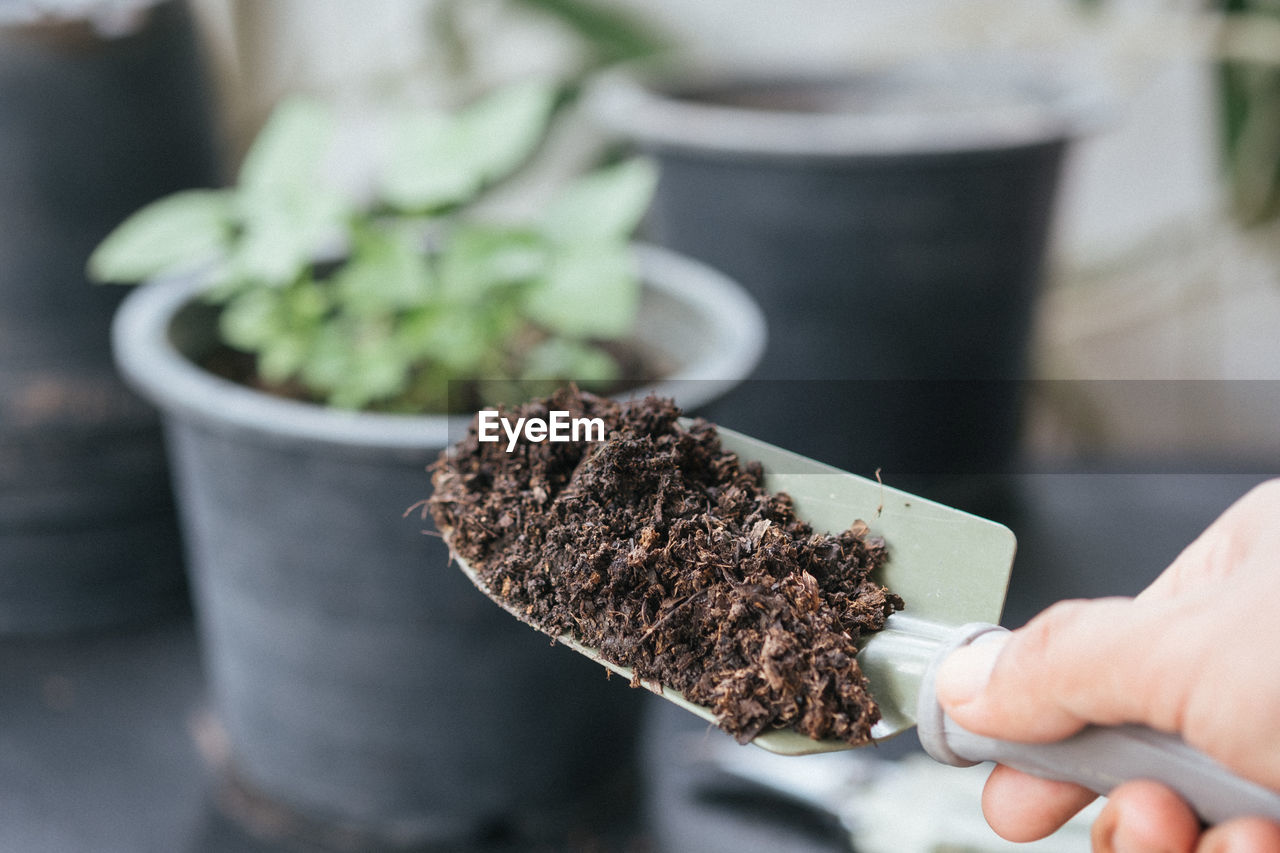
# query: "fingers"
1106, 661
1139, 816
1175, 658
1021, 808
1142, 816
1246, 835
1147, 660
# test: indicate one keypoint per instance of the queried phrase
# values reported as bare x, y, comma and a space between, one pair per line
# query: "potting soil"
662, 550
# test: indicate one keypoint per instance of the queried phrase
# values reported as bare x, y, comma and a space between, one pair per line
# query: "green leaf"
288, 212
503, 129
605, 205
272, 252
429, 164
566, 360
284, 231
459, 345
589, 292
437, 160
376, 372
288, 153
388, 273
460, 340
307, 303
478, 259
251, 319
415, 333
282, 357
174, 233
330, 358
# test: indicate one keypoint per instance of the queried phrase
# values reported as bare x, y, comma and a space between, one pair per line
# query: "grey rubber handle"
1098, 757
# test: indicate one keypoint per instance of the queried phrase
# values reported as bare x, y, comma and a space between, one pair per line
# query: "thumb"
1105, 661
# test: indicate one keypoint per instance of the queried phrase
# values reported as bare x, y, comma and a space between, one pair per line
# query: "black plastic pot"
893, 225
359, 677
91, 128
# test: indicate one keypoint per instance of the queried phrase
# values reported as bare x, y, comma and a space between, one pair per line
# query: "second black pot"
893, 225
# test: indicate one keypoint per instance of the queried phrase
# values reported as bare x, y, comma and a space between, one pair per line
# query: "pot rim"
151, 363
1039, 100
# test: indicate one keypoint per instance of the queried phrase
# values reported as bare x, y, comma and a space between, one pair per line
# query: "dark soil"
660, 549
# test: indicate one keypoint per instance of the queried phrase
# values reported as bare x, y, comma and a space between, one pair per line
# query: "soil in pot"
662, 550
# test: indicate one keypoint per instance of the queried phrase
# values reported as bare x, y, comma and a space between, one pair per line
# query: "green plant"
605, 33
378, 303
1249, 91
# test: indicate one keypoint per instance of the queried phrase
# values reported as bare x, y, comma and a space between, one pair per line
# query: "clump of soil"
660, 549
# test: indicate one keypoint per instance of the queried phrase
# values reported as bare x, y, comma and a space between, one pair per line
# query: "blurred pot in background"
360, 678
891, 221
101, 110
307, 345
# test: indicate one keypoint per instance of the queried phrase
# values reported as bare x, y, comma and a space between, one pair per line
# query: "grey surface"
95, 752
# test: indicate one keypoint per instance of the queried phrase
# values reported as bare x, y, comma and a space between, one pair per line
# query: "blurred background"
1147, 396
1161, 262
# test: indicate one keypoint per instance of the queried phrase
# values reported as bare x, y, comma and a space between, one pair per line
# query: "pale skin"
1197, 653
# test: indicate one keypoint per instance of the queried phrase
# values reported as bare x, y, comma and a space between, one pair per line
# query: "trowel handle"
1098, 757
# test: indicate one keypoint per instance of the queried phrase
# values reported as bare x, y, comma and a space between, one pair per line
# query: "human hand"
1194, 654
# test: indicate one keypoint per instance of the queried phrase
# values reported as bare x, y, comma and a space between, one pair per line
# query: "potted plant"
103, 109
358, 677
892, 220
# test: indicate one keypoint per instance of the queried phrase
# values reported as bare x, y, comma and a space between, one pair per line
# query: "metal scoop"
952, 569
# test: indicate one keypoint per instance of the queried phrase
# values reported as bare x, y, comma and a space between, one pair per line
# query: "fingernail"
966, 671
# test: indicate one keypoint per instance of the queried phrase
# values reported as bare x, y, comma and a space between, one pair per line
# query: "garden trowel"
952, 569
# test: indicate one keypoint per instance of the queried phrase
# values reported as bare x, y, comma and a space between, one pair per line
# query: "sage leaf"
480, 258
503, 129
283, 356
428, 165
591, 291
565, 360
604, 205
283, 231
172, 234
387, 273
376, 372
288, 153
252, 319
